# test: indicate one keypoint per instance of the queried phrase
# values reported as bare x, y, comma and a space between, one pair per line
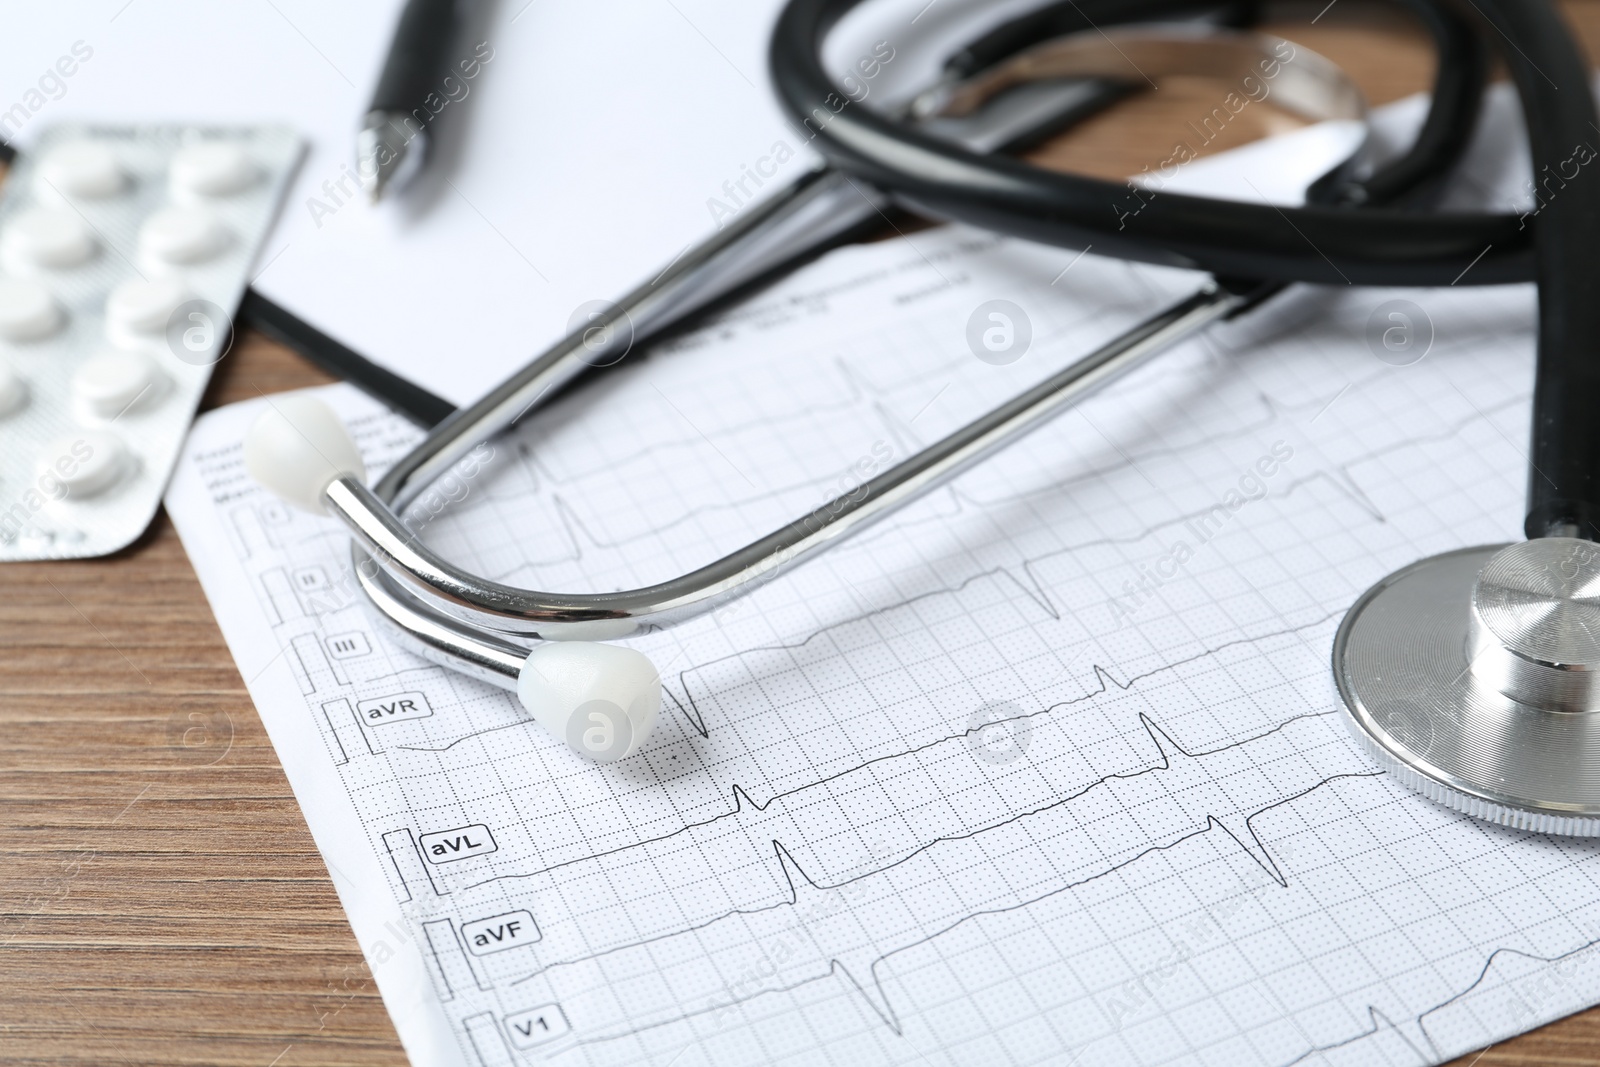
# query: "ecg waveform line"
1168, 752
1171, 757
873, 993
741, 800
872, 989
1380, 1020
1194, 767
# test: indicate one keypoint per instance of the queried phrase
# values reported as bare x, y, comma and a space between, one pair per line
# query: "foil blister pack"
124, 253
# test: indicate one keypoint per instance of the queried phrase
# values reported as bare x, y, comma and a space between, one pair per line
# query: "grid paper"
1000, 780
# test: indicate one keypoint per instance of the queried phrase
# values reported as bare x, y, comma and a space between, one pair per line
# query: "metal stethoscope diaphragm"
1474, 677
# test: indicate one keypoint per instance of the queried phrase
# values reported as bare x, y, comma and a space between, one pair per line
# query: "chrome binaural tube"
450, 615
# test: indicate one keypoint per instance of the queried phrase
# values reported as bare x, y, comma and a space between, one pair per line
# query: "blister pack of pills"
124, 253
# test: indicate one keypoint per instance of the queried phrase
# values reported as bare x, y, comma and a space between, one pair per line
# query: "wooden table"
161, 902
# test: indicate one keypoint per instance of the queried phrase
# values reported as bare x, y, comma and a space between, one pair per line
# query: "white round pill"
113, 382
13, 390
211, 168
85, 169
46, 237
27, 310
178, 235
86, 462
142, 307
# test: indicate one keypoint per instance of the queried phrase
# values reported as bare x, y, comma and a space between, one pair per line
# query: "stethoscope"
1469, 675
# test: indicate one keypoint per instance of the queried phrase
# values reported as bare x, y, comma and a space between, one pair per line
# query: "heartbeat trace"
864, 968
1170, 757
741, 800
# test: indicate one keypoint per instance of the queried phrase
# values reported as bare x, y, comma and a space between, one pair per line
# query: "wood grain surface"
161, 901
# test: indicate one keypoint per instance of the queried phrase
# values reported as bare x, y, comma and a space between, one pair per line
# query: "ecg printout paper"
1047, 769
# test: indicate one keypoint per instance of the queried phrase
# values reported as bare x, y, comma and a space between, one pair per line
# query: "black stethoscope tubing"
1387, 242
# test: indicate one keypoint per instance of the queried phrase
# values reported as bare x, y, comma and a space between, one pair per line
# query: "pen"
394, 139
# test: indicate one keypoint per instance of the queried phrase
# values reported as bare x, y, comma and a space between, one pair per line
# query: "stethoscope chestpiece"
1474, 678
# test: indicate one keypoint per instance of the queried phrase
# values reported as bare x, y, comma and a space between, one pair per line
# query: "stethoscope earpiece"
1470, 676
297, 447
601, 699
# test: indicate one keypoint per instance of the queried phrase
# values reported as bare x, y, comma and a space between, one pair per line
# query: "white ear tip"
600, 699
297, 447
